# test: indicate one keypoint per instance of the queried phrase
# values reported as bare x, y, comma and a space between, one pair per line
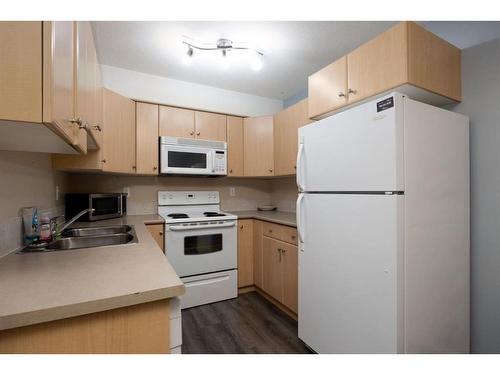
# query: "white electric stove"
201, 245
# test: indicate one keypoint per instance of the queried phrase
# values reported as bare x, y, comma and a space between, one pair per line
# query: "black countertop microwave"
105, 205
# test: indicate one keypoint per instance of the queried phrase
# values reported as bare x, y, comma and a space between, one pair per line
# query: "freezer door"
350, 273
360, 149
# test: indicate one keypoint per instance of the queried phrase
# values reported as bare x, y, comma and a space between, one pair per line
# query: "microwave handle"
211, 161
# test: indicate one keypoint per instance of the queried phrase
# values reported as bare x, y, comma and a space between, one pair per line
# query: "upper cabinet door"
328, 88
286, 125
21, 71
119, 136
147, 138
378, 65
258, 146
176, 122
211, 126
235, 146
58, 82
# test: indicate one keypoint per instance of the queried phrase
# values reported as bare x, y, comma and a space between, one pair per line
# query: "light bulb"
226, 61
256, 62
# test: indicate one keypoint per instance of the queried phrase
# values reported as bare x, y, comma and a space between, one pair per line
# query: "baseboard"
246, 289
278, 304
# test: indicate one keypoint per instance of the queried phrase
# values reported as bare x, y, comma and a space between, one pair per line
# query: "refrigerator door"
360, 149
350, 261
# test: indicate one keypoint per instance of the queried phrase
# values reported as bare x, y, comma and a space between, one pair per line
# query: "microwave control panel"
220, 161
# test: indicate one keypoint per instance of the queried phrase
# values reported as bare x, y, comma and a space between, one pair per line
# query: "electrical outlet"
126, 191
232, 192
57, 192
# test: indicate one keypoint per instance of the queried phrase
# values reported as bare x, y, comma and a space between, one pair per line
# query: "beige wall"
250, 193
27, 180
284, 193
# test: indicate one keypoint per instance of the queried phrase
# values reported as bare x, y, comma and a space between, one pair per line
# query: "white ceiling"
292, 50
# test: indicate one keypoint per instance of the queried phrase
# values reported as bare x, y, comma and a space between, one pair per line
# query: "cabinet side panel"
21, 71
436, 230
433, 63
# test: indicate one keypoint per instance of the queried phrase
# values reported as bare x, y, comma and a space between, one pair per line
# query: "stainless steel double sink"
79, 238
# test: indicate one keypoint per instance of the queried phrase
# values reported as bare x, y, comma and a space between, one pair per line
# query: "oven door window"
203, 244
181, 159
105, 205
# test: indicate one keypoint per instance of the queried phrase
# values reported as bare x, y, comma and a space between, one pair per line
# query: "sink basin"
68, 243
96, 231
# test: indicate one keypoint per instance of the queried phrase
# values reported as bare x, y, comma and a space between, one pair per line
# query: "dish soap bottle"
45, 229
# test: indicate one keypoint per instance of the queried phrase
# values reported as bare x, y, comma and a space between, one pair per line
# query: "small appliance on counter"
104, 205
185, 156
201, 245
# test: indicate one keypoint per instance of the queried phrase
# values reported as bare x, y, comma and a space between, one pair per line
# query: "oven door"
186, 160
198, 248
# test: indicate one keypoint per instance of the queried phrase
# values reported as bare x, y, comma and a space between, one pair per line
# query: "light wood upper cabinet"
59, 39
147, 138
258, 146
88, 83
378, 65
21, 71
433, 63
245, 253
235, 146
210, 126
406, 57
286, 126
328, 88
119, 135
176, 122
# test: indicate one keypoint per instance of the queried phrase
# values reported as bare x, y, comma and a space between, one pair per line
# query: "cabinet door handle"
241, 226
191, 133
341, 95
134, 167
155, 168
230, 171
270, 170
160, 233
198, 133
103, 160
351, 91
281, 254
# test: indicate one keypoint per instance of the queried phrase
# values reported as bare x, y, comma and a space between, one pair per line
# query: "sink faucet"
58, 231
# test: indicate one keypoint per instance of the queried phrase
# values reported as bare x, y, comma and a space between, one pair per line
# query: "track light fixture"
227, 47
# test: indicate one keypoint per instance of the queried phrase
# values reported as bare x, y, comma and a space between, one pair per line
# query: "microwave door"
184, 160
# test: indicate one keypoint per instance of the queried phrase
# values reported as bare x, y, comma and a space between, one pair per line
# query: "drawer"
289, 235
280, 232
272, 230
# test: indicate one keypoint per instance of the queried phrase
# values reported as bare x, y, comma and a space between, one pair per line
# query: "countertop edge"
49, 314
265, 216
85, 308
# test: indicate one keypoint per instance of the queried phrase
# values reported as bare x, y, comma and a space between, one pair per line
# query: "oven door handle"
195, 227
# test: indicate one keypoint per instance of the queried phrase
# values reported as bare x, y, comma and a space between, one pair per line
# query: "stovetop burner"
212, 214
178, 216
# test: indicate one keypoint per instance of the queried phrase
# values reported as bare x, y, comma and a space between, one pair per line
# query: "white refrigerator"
383, 224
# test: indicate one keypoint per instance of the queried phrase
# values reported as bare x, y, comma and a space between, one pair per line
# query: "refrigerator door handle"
299, 218
299, 166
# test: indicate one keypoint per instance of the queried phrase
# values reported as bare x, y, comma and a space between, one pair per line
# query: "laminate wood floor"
247, 324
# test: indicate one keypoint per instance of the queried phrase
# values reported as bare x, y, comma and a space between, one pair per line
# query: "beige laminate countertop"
278, 217
41, 287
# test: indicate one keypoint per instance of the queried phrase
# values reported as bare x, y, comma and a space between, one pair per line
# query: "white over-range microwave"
184, 156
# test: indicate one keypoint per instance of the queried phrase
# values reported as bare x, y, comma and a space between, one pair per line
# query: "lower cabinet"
273, 248
245, 253
156, 231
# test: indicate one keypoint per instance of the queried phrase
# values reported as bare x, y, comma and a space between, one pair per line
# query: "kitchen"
221, 206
